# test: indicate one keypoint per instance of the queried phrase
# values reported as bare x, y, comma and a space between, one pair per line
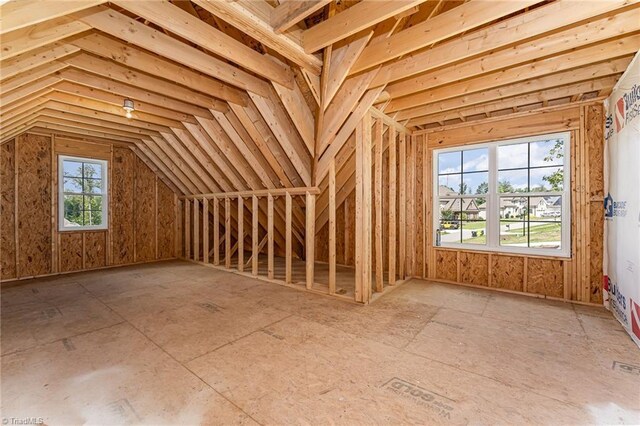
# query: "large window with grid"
82, 200
510, 196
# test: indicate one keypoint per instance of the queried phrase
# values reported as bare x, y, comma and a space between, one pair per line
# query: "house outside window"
510, 196
82, 197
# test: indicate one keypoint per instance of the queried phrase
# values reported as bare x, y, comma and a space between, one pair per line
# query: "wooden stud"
205, 230
402, 183
216, 231
288, 259
363, 210
187, 230
254, 236
227, 232
378, 147
196, 230
310, 234
270, 270
240, 243
332, 227
392, 205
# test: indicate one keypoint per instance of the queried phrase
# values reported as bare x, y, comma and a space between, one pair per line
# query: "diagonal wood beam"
357, 18
133, 57
534, 23
17, 14
22, 40
519, 101
600, 37
36, 58
134, 32
448, 24
342, 59
289, 12
182, 23
486, 89
237, 14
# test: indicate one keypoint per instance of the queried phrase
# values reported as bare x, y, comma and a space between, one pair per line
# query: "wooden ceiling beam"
289, 12
244, 155
191, 158
32, 75
528, 25
120, 119
17, 14
55, 117
152, 150
86, 132
177, 21
141, 83
169, 149
357, 18
134, 32
286, 134
342, 105
34, 59
448, 24
207, 162
342, 60
494, 86
258, 27
210, 142
86, 90
108, 108
26, 90
115, 91
23, 40
135, 58
158, 168
261, 141
517, 101
344, 133
234, 151
559, 46
301, 116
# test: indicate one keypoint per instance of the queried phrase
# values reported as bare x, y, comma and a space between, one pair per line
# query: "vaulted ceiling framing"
253, 94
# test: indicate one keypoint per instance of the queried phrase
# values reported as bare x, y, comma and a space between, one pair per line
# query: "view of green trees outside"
83, 189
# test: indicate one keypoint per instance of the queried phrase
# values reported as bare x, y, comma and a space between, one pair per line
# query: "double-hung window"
82, 200
510, 196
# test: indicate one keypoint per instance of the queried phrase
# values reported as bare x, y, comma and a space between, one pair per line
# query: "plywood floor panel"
200, 345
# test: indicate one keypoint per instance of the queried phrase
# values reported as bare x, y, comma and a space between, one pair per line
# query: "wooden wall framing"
578, 278
142, 210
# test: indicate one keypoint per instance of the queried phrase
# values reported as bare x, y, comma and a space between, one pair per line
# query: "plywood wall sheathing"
122, 195
7, 210
34, 204
71, 251
144, 217
29, 168
95, 249
474, 268
507, 272
446, 265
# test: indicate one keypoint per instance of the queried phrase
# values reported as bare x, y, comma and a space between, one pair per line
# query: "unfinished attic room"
320, 212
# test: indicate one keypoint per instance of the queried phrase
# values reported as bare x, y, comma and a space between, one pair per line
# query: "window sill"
510, 251
100, 229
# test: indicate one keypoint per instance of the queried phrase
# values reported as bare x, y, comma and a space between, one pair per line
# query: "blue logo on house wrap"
614, 208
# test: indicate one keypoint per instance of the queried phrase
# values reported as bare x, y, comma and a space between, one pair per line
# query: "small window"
508, 196
83, 193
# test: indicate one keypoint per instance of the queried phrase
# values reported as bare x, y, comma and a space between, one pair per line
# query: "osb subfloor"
177, 342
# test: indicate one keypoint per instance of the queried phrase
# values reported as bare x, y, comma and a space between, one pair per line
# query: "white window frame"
493, 198
104, 194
